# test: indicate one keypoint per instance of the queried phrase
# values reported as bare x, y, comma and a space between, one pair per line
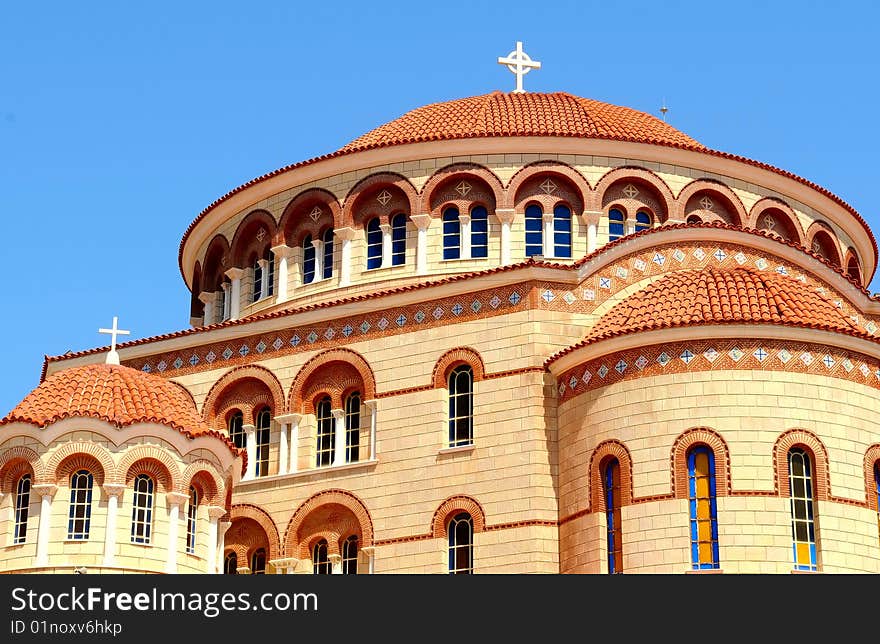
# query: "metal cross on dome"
113, 356
520, 64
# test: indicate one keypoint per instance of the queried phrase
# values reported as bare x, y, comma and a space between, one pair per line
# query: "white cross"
520, 64
113, 356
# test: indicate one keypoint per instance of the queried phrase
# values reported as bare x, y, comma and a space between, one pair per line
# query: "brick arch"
244, 537
822, 234
719, 190
639, 176
578, 185
296, 223
690, 438
352, 358
73, 456
453, 505
264, 521
217, 258
330, 536
818, 455
298, 546
334, 379
851, 265
149, 459
458, 171
872, 458
365, 188
453, 358
601, 453
796, 232
244, 241
223, 394
10, 460
205, 475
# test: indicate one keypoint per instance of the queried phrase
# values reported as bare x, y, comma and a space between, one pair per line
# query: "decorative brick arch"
691, 438
795, 232
735, 206
821, 235
852, 266
205, 475
265, 523
296, 222
217, 258
367, 185
12, 460
456, 172
298, 545
601, 454
578, 184
453, 358
73, 456
819, 457
152, 460
298, 394
872, 459
236, 388
639, 176
245, 241
244, 537
450, 507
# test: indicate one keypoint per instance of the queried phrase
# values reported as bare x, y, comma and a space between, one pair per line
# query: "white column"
630, 226
293, 461
346, 236
174, 500
370, 553
264, 282
287, 443
226, 299
465, 235
282, 255
318, 245
422, 223
335, 564
386, 245
114, 492
208, 298
46, 491
372, 405
214, 514
505, 216
250, 446
547, 235
339, 439
590, 218
283, 449
235, 275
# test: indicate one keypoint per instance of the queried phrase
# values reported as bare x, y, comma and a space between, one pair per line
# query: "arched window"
561, 231
613, 499
451, 234
701, 503
534, 231
191, 514
461, 544
230, 564
258, 280
803, 529
374, 244
326, 435
80, 515
328, 254
142, 509
258, 562
261, 436
479, 232
643, 220
308, 260
877, 484
236, 430
398, 240
615, 224
350, 555
320, 558
264, 275
352, 427
694, 219
461, 404
22, 505
269, 276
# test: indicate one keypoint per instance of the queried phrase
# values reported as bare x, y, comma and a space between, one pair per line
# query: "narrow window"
22, 504
461, 401
258, 562
230, 564
320, 560
326, 435
479, 232
451, 234
534, 231
80, 514
270, 272
308, 260
643, 220
258, 280
236, 430
398, 240
352, 427
701, 502
561, 231
803, 527
264, 420
191, 514
349, 555
461, 544
374, 243
877, 484
615, 224
611, 490
142, 509
694, 219
328, 254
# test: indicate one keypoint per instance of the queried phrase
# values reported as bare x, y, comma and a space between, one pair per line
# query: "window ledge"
348, 467
805, 572
704, 571
464, 259
384, 269
459, 449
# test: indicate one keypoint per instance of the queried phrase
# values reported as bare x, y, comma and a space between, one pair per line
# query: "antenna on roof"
664, 109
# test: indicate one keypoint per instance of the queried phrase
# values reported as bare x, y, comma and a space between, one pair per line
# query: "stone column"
282, 254
284, 566
289, 424
465, 234
422, 223
293, 461
113, 491
386, 245
283, 448
346, 236
335, 564
339, 438
264, 282
226, 299
318, 245
505, 217
250, 445
174, 501
591, 220
46, 491
370, 554
547, 235
208, 298
235, 274
215, 541
372, 405
630, 226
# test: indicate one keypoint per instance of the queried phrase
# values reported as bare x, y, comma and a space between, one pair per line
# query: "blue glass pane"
615, 224
561, 231
534, 231
451, 234
374, 244
308, 260
398, 240
479, 232
328, 254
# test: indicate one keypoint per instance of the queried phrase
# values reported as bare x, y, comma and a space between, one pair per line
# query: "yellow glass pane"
701, 465
803, 553
704, 531
702, 488
705, 551
703, 509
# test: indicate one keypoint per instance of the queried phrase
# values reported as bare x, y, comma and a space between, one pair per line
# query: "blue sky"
120, 122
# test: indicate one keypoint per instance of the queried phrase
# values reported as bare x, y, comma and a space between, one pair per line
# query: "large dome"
526, 114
